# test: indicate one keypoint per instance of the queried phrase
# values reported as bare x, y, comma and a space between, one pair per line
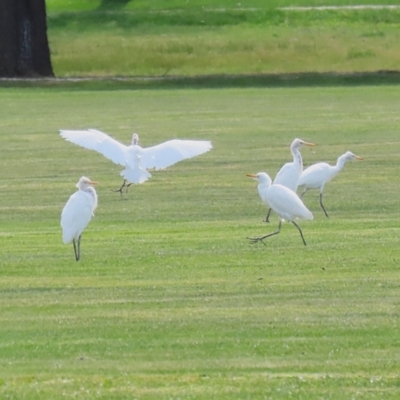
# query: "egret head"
84, 183
261, 177
297, 143
135, 139
351, 156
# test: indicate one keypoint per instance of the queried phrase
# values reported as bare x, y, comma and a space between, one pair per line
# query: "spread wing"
93, 139
171, 152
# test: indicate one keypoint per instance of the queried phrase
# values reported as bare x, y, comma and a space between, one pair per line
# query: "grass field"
155, 5
177, 38
169, 299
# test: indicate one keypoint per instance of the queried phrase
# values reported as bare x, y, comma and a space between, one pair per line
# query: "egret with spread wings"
137, 160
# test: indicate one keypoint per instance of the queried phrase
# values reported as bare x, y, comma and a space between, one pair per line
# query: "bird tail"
135, 175
67, 236
309, 215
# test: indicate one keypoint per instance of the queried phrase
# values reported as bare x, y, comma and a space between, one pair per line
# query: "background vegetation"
162, 38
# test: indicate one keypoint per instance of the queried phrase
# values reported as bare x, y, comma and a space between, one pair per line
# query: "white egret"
135, 159
317, 175
78, 212
283, 201
290, 173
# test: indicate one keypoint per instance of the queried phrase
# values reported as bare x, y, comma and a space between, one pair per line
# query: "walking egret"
290, 173
317, 175
283, 201
135, 159
78, 212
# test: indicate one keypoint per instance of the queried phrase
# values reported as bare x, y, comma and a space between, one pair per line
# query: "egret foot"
261, 238
122, 186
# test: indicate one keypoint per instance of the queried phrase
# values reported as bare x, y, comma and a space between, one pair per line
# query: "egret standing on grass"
290, 173
317, 175
78, 212
283, 201
134, 158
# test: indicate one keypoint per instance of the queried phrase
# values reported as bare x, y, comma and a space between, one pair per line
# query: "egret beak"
93, 183
252, 176
359, 158
309, 144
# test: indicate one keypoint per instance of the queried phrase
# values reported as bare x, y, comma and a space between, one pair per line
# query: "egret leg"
122, 186
79, 248
305, 190
269, 213
320, 202
301, 233
76, 249
261, 238
129, 184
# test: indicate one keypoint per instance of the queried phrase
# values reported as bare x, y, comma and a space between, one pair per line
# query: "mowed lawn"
170, 300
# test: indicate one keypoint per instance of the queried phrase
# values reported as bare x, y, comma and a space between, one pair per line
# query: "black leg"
76, 251
301, 233
129, 184
79, 248
320, 202
269, 213
122, 186
261, 238
305, 190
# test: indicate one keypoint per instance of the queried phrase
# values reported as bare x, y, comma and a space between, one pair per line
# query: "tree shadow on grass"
112, 4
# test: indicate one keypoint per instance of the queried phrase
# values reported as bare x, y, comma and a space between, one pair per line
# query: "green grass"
196, 38
81, 5
169, 299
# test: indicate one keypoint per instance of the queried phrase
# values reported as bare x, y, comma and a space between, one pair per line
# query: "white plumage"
283, 201
290, 172
317, 175
135, 159
78, 212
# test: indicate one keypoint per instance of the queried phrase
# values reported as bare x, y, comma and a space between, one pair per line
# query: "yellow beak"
309, 144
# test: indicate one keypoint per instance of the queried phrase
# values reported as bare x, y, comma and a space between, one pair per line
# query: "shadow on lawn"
308, 79
112, 4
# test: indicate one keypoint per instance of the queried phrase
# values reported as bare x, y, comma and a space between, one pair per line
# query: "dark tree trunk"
24, 49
